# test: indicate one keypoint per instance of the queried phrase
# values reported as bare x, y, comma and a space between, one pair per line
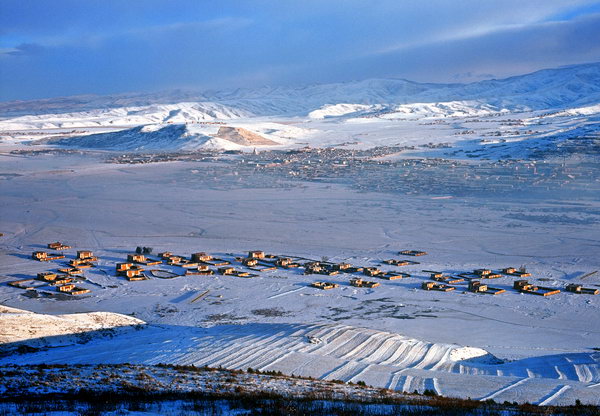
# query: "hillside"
24, 329
170, 137
127, 116
243, 137
174, 390
335, 352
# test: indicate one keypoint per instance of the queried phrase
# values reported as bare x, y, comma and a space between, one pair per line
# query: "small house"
372, 271
43, 256
395, 262
511, 271
135, 275
27, 284
285, 263
175, 260
476, 286
71, 289
61, 280
81, 264
413, 253
249, 261
201, 269
325, 285
341, 266
86, 255
129, 270
575, 288
47, 276
524, 286
136, 258
436, 286
393, 275
358, 282
447, 279
201, 256
142, 259
58, 246
226, 270
121, 267
71, 271
39, 255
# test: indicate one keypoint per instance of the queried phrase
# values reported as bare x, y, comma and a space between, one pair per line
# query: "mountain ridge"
546, 88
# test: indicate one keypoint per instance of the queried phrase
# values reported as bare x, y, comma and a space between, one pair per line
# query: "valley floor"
522, 348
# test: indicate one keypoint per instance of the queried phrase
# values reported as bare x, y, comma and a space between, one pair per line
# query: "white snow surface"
127, 116
21, 327
335, 110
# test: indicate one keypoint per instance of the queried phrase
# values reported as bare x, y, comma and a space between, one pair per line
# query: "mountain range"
571, 86
290, 116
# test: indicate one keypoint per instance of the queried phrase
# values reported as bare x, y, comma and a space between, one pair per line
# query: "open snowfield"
345, 173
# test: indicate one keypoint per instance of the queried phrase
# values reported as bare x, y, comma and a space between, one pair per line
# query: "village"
67, 274
381, 169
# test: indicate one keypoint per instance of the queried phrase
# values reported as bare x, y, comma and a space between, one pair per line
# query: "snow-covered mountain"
186, 112
185, 119
571, 86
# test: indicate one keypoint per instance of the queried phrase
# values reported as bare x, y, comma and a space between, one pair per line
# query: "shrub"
429, 392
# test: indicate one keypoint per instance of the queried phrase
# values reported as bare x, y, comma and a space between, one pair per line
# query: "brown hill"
243, 137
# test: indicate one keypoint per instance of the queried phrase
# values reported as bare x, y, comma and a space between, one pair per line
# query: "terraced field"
341, 352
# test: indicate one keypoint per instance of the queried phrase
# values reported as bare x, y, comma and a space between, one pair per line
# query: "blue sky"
52, 48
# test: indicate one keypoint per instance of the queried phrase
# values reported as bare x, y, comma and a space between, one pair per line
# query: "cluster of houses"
65, 279
138, 266
200, 264
443, 283
256, 261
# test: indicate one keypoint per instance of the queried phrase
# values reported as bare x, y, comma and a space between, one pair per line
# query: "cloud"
506, 52
111, 46
23, 49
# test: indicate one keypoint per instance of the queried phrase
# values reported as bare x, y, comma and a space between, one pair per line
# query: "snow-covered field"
396, 335
512, 346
